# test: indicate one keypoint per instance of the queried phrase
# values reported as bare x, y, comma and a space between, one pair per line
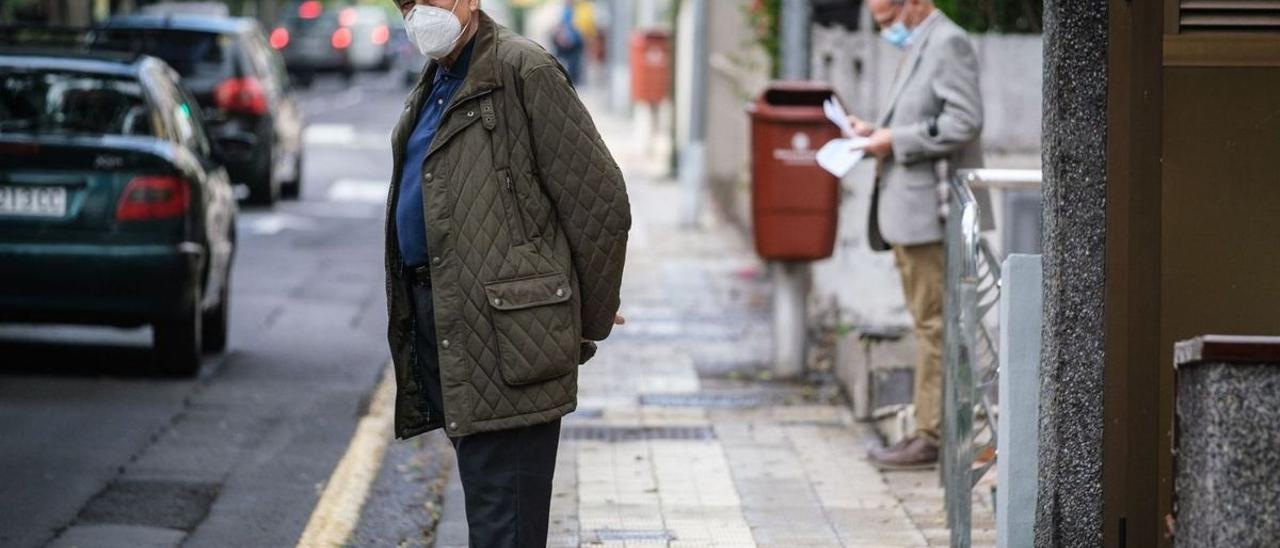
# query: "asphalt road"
96, 453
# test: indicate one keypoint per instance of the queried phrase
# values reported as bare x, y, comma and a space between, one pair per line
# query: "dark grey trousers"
506, 475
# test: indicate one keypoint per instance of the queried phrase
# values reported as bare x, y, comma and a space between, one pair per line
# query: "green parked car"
113, 208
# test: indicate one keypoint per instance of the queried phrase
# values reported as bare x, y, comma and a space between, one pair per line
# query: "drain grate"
605, 535
731, 400
734, 399
614, 434
169, 504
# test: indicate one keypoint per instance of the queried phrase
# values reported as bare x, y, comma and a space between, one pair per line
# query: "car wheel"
217, 320
291, 190
262, 190
178, 343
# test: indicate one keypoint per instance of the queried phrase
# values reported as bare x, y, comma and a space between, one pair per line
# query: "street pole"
693, 161
791, 278
797, 16
622, 17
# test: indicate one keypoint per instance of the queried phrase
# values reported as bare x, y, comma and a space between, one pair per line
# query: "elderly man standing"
929, 129
507, 228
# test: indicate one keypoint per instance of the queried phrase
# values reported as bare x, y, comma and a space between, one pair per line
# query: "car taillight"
152, 197
341, 38
310, 9
241, 96
279, 38
380, 35
347, 17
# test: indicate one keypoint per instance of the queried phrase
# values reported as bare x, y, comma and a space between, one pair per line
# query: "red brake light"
279, 38
152, 197
310, 9
241, 96
380, 35
347, 17
341, 38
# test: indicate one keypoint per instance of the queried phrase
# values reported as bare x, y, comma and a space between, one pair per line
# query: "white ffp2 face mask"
434, 31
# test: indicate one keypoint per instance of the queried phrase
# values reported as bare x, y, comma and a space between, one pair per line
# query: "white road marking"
344, 136
358, 190
342, 210
274, 223
329, 134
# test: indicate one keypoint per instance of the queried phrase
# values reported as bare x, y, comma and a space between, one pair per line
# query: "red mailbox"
650, 65
793, 200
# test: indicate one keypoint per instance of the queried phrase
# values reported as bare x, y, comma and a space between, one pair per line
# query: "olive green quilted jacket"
527, 219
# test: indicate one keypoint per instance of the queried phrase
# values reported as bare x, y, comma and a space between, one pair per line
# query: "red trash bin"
794, 202
650, 65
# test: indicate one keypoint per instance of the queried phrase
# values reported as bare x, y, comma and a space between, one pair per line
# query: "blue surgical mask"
896, 34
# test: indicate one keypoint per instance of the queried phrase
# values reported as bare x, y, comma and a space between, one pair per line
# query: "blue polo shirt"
411, 225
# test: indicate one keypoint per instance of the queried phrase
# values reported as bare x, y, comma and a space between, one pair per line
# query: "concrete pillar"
1069, 502
1227, 440
1016, 441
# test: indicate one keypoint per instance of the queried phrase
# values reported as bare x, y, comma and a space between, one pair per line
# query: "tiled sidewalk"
680, 441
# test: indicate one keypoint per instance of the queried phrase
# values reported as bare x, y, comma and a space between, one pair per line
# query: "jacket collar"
920, 38
482, 74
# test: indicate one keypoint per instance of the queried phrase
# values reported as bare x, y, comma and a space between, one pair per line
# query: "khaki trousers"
922, 268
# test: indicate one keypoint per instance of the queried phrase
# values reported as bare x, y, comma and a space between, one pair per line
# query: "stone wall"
1228, 441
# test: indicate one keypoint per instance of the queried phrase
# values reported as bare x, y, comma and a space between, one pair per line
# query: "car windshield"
191, 53
322, 24
37, 101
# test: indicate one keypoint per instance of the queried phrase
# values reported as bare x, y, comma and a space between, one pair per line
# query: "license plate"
33, 201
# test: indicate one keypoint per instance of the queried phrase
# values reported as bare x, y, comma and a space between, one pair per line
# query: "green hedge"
1001, 16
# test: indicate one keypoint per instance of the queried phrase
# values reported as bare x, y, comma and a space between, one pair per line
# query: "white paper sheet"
840, 155
836, 113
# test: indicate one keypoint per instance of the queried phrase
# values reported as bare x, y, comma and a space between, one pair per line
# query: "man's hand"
880, 143
860, 127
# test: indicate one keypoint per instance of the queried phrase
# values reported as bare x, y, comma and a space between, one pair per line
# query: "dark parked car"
113, 209
240, 82
316, 37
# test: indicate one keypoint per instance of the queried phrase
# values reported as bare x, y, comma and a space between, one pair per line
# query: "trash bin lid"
791, 101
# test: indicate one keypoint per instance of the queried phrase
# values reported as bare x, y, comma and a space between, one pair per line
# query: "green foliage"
999, 16
764, 17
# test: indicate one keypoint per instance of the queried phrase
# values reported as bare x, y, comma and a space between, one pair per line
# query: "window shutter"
1229, 15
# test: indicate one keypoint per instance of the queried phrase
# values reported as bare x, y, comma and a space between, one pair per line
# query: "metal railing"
970, 355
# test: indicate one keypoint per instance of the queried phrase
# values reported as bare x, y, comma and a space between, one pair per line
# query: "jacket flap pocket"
528, 292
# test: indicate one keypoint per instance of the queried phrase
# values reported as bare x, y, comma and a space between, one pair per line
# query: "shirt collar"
459, 69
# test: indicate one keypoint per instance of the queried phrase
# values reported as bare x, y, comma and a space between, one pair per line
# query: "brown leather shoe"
917, 453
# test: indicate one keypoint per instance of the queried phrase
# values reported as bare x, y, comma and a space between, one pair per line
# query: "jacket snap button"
471, 113
560, 292
435, 260
497, 302
453, 426
428, 176
444, 343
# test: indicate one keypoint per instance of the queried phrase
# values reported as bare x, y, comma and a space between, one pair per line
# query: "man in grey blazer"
930, 128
